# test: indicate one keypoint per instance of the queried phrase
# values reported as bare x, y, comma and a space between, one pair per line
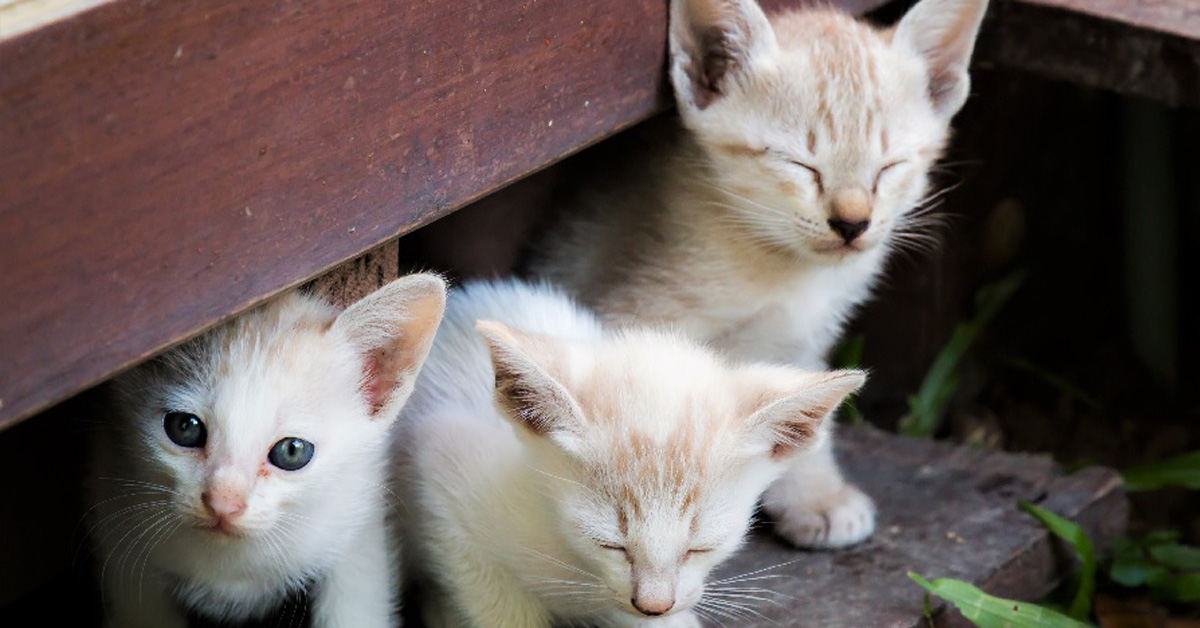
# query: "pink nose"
652, 607
224, 504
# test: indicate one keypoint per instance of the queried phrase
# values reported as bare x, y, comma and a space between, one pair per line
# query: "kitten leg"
813, 506
360, 591
483, 598
149, 607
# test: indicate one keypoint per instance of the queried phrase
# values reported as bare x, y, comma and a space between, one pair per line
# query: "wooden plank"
164, 165
1148, 49
1173, 17
944, 511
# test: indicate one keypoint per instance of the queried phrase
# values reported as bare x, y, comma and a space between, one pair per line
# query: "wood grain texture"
944, 511
1174, 17
164, 165
355, 279
1103, 47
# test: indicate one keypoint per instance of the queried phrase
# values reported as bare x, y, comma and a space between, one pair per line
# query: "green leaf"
1179, 471
926, 407
1074, 535
1181, 588
1134, 570
986, 611
1174, 556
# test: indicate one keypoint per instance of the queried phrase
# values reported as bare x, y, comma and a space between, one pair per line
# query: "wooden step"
944, 511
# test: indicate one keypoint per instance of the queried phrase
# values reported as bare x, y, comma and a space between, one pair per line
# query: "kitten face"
254, 424
820, 129
653, 543
274, 400
656, 451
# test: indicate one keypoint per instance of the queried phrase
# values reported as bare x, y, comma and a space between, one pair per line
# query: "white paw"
838, 519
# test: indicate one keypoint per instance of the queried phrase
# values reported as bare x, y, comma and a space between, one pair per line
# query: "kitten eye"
615, 548
291, 453
185, 429
875, 186
816, 174
698, 550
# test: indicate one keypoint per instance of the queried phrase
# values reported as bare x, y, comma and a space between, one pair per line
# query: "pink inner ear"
380, 380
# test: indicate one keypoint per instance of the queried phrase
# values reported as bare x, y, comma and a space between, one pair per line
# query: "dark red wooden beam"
164, 165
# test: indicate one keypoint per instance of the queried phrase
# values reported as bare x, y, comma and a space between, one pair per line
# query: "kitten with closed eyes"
762, 222
249, 464
553, 471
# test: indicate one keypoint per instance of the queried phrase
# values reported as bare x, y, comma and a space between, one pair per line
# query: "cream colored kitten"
806, 144
553, 471
249, 464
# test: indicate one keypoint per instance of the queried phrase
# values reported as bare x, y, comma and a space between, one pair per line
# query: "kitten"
554, 471
765, 221
249, 464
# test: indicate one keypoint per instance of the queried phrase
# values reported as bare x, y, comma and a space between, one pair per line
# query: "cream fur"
292, 368
538, 439
722, 229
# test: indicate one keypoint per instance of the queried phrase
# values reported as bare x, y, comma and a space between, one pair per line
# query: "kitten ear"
943, 32
525, 391
710, 42
790, 414
393, 329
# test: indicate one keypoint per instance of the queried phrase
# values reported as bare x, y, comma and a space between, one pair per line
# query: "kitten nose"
652, 608
848, 230
224, 503
850, 211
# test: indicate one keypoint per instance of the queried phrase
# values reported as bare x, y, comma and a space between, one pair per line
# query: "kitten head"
249, 427
655, 450
820, 129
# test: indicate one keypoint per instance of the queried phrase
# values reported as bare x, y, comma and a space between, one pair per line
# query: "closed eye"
699, 550
611, 546
879, 175
816, 174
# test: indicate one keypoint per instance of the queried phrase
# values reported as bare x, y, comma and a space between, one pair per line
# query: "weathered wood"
164, 165
943, 512
1149, 49
361, 276
1173, 17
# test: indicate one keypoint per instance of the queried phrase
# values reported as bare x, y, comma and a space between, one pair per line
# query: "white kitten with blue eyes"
249, 464
556, 472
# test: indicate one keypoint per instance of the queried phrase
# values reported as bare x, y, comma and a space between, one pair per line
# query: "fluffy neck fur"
216, 525
560, 472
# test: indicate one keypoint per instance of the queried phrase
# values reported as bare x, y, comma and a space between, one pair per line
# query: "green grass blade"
1073, 535
1058, 382
926, 407
1179, 471
986, 611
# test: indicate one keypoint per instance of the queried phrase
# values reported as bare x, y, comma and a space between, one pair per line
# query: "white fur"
505, 522
292, 368
719, 230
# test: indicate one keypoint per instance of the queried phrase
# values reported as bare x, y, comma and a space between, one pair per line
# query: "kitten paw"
838, 519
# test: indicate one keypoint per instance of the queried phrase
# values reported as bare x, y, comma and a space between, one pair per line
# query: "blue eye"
185, 429
291, 453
